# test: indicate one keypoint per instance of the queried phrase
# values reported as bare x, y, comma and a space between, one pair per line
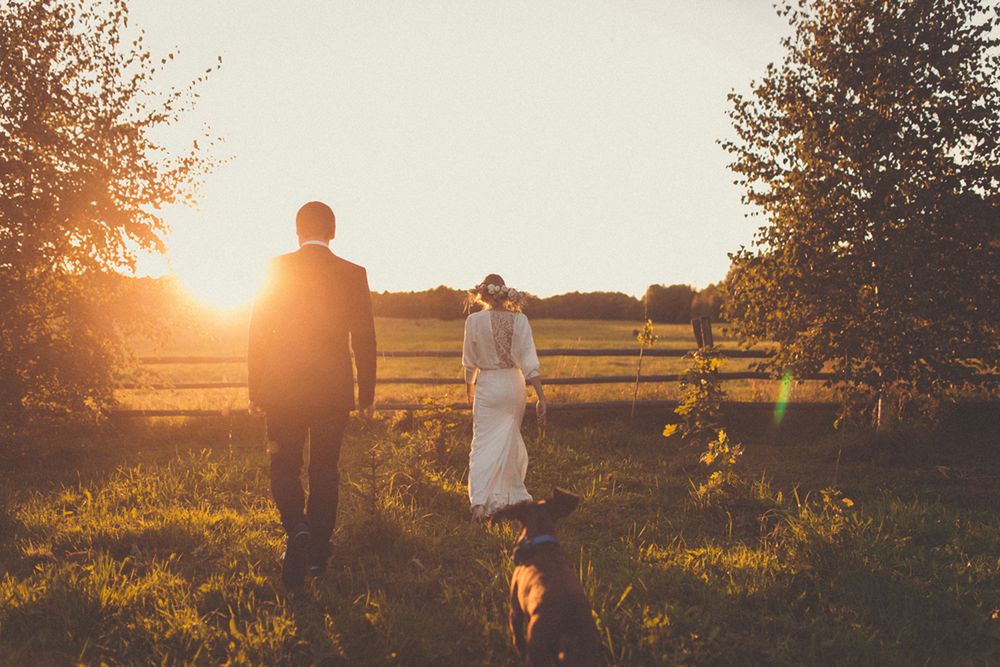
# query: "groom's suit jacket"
314, 308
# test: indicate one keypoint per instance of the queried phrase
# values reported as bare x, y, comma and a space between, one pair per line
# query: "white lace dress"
498, 355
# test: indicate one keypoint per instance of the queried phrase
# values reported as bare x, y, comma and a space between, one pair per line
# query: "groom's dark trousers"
313, 310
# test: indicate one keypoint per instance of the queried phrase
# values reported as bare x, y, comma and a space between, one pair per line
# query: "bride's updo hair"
493, 294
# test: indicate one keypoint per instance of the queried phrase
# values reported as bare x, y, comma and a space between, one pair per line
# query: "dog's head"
539, 517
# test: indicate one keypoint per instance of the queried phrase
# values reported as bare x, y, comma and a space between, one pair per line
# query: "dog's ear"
516, 512
562, 502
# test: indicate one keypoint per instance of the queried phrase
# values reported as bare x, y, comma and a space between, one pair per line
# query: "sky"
568, 146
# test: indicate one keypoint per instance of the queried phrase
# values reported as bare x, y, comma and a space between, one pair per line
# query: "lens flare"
783, 393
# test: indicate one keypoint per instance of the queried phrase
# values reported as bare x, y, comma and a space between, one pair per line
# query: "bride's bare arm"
540, 406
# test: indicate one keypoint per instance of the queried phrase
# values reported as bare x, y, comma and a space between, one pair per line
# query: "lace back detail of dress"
502, 323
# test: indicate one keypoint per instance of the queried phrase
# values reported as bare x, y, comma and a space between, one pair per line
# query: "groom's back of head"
315, 220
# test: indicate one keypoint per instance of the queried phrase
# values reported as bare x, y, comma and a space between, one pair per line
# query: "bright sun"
220, 265
221, 284
215, 275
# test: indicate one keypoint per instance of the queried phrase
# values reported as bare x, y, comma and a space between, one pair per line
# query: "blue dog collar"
539, 539
524, 547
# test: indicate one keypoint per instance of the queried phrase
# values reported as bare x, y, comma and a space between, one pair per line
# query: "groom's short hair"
315, 219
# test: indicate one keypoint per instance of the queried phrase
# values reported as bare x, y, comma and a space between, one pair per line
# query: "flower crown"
499, 291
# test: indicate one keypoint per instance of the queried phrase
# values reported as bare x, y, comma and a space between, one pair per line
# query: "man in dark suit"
314, 308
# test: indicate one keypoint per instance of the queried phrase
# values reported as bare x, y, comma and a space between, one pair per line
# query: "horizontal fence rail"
457, 354
808, 407
594, 379
821, 406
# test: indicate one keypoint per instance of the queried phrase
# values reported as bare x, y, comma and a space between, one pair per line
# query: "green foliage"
826, 521
700, 408
409, 453
872, 152
80, 182
436, 433
645, 337
720, 456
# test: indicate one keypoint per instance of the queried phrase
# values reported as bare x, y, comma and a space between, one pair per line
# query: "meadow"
155, 542
226, 336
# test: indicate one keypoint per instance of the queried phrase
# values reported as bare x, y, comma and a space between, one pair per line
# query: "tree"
872, 150
81, 180
586, 306
442, 302
446, 303
669, 304
707, 303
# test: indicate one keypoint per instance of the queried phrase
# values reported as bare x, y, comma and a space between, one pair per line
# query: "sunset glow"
222, 285
567, 147
218, 270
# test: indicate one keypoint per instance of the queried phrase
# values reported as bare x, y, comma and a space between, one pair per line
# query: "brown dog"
550, 616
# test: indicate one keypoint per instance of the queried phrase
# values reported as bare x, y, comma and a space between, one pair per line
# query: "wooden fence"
451, 354
701, 328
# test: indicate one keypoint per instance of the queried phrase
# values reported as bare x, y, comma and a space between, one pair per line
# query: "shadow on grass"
394, 594
10, 528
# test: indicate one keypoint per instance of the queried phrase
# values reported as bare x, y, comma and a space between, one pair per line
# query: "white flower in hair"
513, 293
493, 289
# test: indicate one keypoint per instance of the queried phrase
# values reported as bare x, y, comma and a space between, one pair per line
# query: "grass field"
228, 337
154, 543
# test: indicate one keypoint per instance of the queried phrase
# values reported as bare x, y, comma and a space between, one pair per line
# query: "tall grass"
134, 549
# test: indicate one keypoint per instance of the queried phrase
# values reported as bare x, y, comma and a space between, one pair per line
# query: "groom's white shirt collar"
325, 244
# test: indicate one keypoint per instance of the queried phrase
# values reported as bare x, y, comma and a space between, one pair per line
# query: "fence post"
706, 331
696, 327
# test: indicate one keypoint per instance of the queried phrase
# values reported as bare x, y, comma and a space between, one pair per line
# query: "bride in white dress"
499, 355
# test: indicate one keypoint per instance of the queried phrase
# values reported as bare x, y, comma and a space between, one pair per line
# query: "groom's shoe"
296, 561
318, 557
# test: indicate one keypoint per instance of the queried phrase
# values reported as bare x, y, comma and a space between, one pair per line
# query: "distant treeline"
672, 303
166, 298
